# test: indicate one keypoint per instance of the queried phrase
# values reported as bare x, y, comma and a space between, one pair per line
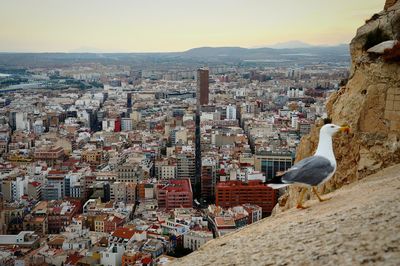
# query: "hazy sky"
176, 25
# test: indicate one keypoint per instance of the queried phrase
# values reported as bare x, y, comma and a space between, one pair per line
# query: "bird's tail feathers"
277, 186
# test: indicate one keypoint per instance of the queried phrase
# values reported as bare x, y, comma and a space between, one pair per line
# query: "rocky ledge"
360, 225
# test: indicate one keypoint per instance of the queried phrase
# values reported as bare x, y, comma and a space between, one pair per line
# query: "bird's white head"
331, 129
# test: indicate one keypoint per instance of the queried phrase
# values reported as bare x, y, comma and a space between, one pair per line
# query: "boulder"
380, 48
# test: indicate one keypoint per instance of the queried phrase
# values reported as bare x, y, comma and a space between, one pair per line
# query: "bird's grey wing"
311, 171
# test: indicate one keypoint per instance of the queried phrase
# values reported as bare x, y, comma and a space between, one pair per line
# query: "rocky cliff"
369, 103
358, 226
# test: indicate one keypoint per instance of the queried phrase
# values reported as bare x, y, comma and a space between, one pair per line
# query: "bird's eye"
332, 126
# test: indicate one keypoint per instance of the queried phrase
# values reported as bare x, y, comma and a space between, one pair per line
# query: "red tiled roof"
73, 259
123, 232
146, 260
57, 172
116, 219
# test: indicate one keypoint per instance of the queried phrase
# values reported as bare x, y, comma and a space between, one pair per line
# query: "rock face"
369, 104
390, 3
358, 226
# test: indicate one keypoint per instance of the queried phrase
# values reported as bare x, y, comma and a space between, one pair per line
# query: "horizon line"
310, 46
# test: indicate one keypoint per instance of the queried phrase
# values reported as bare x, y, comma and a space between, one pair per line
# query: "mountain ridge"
200, 55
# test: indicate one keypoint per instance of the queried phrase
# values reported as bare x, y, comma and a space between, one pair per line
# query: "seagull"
314, 170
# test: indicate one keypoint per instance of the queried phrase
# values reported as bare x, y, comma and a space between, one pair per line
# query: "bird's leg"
318, 196
300, 201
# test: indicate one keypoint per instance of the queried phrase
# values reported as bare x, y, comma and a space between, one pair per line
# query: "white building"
294, 120
108, 125
208, 116
195, 239
21, 121
84, 117
295, 93
17, 188
231, 112
23, 238
250, 174
112, 256
76, 237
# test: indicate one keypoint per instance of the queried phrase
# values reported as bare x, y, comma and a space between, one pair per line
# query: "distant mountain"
197, 56
222, 53
215, 51
85, 49
290, 45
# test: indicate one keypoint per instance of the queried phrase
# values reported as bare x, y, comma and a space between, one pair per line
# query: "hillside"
359, 225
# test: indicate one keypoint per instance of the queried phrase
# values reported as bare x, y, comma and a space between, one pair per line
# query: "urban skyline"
124, 154
160, 26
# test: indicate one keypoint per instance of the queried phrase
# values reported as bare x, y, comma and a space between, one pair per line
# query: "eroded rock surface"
360, 225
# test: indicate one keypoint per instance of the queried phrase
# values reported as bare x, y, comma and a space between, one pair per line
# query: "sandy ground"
360, 225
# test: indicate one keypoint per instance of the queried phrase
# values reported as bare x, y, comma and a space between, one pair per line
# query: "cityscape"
146, 164
142, 158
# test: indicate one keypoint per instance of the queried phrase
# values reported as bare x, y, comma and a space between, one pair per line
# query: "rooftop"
123, 232
178, 185
224, 222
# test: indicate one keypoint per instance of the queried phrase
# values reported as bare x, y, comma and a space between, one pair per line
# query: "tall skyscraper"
202, 99
129, 102
202, 86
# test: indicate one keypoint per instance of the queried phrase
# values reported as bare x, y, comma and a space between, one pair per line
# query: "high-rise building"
196, 183
202, 86
202, 99
174, 194
129, 102
208, 178
56, 182
231, 112
186, 166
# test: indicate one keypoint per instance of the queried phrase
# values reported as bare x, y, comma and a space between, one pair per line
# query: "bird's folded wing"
311, 171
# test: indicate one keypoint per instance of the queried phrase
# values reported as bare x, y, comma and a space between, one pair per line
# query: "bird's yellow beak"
345, 129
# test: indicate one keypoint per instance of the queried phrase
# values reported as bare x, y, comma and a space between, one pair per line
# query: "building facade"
233, 193
270, 163
175, 194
